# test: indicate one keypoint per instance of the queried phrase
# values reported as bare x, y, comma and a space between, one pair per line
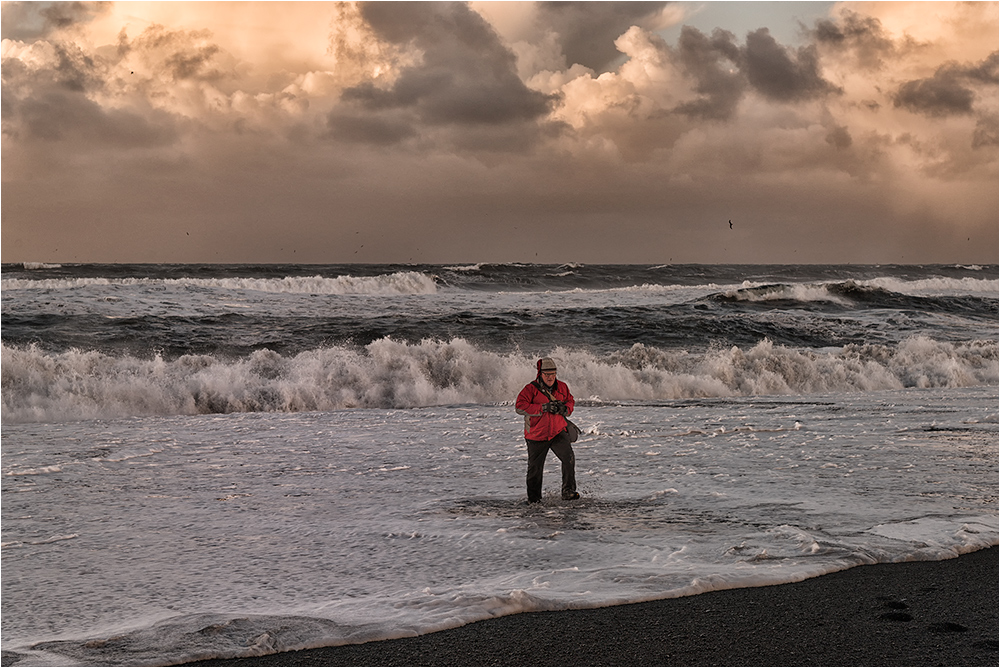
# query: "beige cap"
546, 364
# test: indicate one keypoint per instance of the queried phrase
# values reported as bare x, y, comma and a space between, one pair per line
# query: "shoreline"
917, 613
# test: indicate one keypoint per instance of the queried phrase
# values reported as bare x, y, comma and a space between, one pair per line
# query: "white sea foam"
750, 291
255, 533
465, 267
40, 265
758, 291
42, 470
986, 287
651, 288
400, 283
39, 386
41, 541
803, 292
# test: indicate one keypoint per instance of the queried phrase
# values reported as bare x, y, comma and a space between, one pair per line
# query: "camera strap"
543, 390
571, 429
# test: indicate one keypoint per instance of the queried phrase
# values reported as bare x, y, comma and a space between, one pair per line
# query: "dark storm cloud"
75, 70
370, 129
465, 78
181, 55
986, 72
44, 101
949, 91
839, 137
780, 73
723, 71
712, 62
57, 115
940, 95
51, 103
192, 65
863, 36
986, 132
28, 21
587, 30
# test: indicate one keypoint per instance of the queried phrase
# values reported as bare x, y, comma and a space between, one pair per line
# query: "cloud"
712, 62
180, 55
462, 76
34, 20
862, 36
840, 137
949, 91
48, 94
707, 77
940, 95
586, 31
57, 115
379, 130
781, 73
446, 125
987, 71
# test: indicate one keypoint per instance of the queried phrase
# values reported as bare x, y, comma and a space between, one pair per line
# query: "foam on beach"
254, 533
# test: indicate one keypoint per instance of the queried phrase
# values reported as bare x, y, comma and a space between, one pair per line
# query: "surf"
44, 386
399, 283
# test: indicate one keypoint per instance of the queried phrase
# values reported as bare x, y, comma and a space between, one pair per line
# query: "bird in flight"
730, 224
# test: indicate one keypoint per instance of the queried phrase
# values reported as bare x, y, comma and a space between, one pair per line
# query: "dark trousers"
537, 450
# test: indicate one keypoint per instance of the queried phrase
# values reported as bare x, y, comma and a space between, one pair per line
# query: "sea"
218, 461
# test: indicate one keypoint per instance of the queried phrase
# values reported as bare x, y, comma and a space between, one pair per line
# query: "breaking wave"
40, 265
400, 283
880, 292
39, 386
800, 292
965, 286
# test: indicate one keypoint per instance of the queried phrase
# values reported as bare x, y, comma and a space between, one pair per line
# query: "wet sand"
932, 613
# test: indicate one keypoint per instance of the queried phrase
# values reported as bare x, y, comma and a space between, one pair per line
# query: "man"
544, 402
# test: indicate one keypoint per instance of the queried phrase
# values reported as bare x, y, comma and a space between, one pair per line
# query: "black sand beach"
932, 613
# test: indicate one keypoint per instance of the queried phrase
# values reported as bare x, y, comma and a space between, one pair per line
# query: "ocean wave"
39, 386
845, 293
733, 284
399, 283
42, 541
799, 292
876, 291
465, 267
40, 265
935, 286
650, 288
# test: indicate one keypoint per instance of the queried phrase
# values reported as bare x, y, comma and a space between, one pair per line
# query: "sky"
622, 132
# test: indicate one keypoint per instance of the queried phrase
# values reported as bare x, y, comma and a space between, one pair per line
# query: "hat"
546, 364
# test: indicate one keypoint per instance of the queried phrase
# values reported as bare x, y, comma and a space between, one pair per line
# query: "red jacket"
539, 425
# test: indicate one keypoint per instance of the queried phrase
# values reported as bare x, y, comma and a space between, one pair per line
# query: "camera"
557, 407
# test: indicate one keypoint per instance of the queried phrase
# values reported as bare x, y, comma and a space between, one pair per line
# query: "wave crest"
800, 292
874, 292
986, 287
38, 386
399, 283
29, 266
